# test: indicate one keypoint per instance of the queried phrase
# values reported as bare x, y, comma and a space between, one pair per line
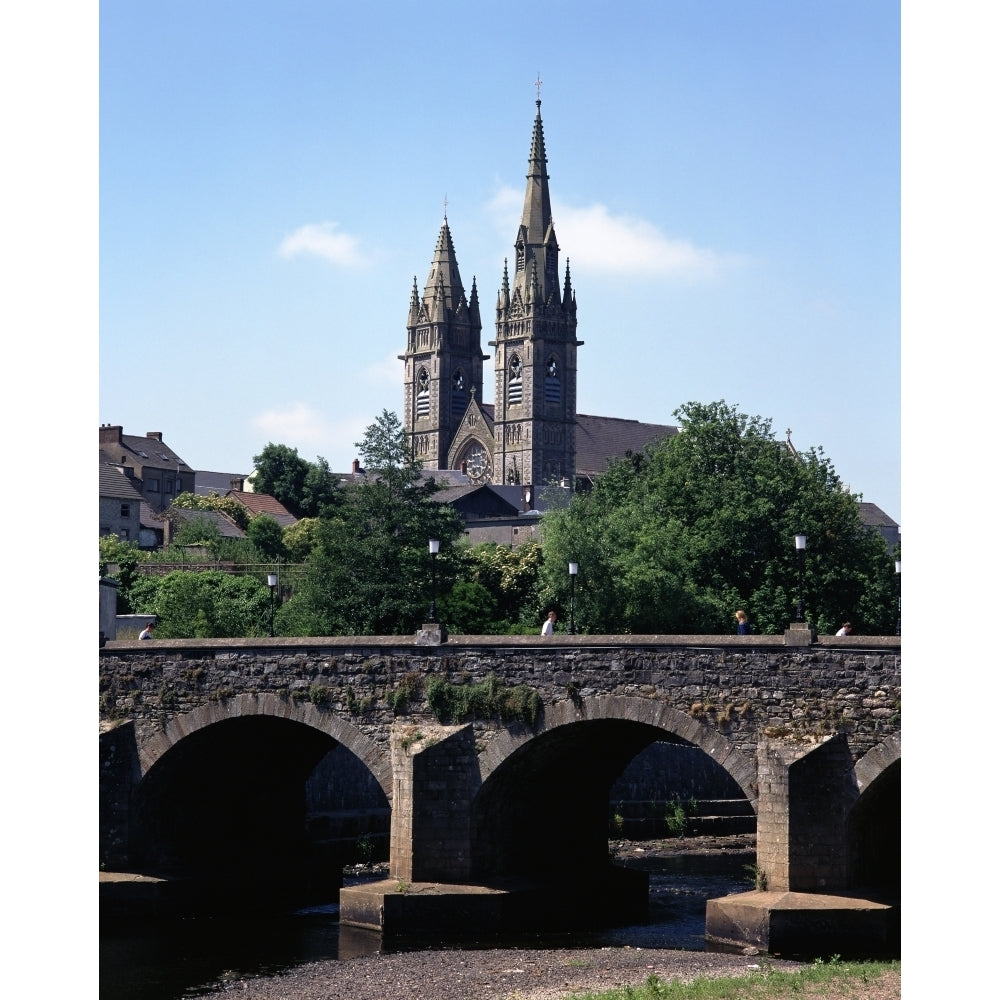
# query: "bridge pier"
804, 903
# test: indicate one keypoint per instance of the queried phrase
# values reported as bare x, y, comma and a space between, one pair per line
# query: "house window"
168, 485
152, 486
123, 534
126, 510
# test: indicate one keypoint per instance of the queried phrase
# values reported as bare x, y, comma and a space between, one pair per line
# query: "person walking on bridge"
742, 625
549, 624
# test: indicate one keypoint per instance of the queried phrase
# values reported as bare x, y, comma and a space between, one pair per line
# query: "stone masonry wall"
742, 687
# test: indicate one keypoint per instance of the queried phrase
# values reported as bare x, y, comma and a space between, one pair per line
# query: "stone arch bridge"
207, 747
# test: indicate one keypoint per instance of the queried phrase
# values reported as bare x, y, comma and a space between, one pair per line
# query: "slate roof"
874, 517
264, 503
477, 501
179, 515
147, 451
599, 439
115, 484
219, 483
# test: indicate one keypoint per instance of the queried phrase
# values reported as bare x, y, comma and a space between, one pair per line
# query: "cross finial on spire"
446, 208
538, 88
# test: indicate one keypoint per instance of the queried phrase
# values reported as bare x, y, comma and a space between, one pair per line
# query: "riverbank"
520, 974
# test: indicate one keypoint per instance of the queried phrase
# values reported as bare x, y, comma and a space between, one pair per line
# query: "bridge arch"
678, 726
542, 804
375, 758
873, 835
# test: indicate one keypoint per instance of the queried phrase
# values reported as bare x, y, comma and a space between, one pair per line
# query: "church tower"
534, 417
443, 359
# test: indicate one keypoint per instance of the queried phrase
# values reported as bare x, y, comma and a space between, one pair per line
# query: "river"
179, 958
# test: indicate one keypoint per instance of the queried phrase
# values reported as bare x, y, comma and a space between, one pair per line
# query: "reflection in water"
170, 959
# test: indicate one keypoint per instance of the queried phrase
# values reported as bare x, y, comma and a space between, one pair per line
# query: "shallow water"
172, 959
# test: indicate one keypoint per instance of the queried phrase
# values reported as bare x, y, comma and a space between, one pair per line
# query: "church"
531, 435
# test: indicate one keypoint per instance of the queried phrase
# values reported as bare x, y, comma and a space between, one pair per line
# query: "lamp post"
573, 567
433, 546
899, 597
272, 582
800, 552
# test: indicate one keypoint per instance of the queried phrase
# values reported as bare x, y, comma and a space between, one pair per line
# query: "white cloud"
388, 371
312, 434
322, 240
594, 239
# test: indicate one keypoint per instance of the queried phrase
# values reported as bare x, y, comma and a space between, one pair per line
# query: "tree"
279, 472
210, 604
370, 570
676, 538
266, 535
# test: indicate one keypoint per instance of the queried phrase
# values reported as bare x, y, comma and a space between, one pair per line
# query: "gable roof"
114, 484
599, 439
874, 517
148, 452
264, 503
477, 501
182, 515
220, 483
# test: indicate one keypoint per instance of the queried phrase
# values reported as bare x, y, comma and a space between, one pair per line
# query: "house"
157, 471
119, 502
218, 483
175, 518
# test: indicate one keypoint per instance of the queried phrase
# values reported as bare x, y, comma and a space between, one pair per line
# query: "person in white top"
845, 629
549, 624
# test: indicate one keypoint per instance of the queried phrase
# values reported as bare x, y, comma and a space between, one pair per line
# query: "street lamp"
800, 552
899, 597
433, 546
573, 567
272, 582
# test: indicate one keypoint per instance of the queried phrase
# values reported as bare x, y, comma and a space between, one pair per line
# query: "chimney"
355, 467
155, 435
110, 434
236, 484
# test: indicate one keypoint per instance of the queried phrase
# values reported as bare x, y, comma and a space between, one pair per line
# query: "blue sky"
725, 179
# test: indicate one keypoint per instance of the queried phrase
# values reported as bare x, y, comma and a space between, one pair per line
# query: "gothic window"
423, 393
519, 247
515, 385
459, 396
553, 389
476, 463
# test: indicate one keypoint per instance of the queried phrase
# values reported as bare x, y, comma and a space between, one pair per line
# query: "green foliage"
299, 539
125, 557
677, 820
229, 506
369, 571
509, 578
208, 604
469, 609
198, 531
676, 538
491, 699
267, 537
820, 979
281, 473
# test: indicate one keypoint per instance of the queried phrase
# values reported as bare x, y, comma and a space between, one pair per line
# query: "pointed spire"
537, 215
568, 297
503, 298
414, 314
474, 305
444, 276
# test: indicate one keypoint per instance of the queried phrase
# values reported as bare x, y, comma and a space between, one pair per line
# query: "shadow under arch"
180, 727
542, 805
874, 829
223, 799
